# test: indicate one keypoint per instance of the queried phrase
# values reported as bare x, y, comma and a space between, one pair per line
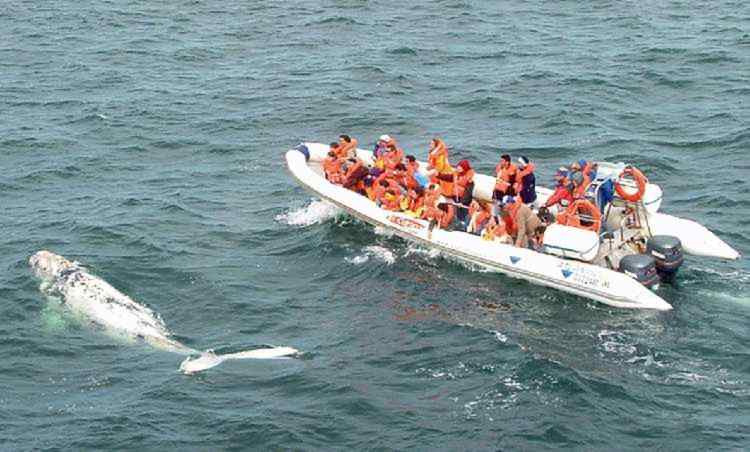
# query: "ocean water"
145, 139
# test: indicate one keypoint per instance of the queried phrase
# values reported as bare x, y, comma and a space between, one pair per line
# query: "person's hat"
507, 199
523, 160
385, 138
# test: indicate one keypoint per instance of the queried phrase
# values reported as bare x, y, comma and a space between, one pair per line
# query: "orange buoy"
572, 215
640, 181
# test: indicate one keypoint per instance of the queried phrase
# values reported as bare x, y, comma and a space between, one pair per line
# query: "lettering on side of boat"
405, 222
581, 275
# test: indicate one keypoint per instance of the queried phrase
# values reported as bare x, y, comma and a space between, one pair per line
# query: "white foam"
316, 212
377, 252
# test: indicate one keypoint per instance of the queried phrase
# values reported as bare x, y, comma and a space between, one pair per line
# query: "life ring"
640, 181
572, 216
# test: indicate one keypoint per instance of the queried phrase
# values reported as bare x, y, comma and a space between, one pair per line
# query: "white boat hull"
578, 278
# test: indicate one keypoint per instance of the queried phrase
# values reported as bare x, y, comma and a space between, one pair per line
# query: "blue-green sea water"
146, 138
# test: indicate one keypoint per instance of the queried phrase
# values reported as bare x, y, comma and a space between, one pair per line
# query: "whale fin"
209, 359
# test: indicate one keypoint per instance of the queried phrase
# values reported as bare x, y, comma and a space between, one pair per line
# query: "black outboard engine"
667, 251
640, 267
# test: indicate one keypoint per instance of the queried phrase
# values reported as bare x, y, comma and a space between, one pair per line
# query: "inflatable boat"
619, 265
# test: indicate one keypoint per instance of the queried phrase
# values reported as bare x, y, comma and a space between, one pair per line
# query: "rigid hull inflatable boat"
618, 267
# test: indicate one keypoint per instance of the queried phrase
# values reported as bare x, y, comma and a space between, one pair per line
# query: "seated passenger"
332, 168
525, 184
495, 231
413, 203
347, 147
394, 156
578, 179
439, 168
563, 194
432, 211
479, 216
413, 177
388, 195
355, 176
381, 146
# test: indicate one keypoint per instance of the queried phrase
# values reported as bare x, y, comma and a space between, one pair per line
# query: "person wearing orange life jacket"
347, 147
432, 211
525, 185
463, 188
505, 178
496, 231
413, 203
354, 179
388, 195
332, 168
439, 168
394, 156
479, 214
563, 194
579, 177
524, 223
381, 146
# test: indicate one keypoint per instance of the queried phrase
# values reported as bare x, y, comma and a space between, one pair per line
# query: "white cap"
385, 138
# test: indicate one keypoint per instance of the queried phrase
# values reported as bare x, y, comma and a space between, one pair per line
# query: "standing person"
505, 177
525, 184
463, 188
439, 168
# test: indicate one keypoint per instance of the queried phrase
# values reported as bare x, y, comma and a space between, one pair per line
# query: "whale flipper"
209, 359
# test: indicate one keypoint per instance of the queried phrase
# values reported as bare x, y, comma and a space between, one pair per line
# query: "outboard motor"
640, 267
667, 251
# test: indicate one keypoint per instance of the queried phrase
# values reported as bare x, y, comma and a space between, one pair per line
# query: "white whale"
117, 313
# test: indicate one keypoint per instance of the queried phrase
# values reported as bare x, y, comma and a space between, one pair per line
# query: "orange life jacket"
344, 148
332, 169
461, 181
506, 177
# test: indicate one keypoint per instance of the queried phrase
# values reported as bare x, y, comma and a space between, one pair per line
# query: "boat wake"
376, 252
314, 213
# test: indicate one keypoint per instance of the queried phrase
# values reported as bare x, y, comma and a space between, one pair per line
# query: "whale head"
48, 265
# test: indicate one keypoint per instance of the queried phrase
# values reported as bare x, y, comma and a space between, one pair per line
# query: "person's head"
561, 175
523, 161
334, 145
400, 167
575, 166
331, 154
383, 183
384, 140
345, 139
505, 160
507, 201
463, 165
411, 159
